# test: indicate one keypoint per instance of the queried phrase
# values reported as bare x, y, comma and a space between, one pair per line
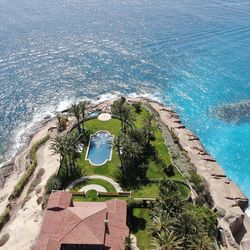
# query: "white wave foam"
26, 129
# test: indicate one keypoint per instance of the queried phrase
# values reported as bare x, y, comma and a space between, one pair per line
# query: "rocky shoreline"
226, 195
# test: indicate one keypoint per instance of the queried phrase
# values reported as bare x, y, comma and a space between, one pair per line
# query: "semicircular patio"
97, 188
91, 177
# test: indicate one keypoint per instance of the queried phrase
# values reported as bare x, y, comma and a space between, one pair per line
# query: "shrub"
45, 201
4, 239
4, 217
39, 200
132, 203
30, 170
197, 182
53, 183
168, 169
137, 106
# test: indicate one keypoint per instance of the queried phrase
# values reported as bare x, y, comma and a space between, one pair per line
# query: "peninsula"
131, 149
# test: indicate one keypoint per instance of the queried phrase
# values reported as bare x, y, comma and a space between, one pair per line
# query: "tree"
162, 222
128, 243
66, 147
201, 242
137, 106
53, 183
124, 113
71, 150
167, 240
58, 147
190, 226
148, 128
169, 200
75, 109
82, 107
61, 123
127, 116
137, 135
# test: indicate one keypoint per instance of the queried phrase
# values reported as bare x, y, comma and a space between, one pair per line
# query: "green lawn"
108, 169
108, 186
139, 226
150, 190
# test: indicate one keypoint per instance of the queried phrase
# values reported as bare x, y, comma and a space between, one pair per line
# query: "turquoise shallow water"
191, 54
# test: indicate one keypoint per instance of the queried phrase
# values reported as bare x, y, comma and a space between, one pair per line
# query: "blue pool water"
100, 148
191, 54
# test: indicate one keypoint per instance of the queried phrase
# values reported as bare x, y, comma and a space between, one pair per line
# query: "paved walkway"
111, 181
97, 188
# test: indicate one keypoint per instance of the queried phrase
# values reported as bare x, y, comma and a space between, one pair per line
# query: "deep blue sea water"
191, 54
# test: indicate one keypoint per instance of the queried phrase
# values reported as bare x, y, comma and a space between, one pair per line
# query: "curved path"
111, 181
97, 188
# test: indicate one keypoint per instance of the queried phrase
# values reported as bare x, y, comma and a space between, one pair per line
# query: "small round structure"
104, 117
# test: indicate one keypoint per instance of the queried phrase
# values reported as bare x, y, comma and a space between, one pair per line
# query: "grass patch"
108, 169
154, 163
139, 223
150, 190
108, 186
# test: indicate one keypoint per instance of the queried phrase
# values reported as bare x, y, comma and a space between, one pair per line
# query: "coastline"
225, 193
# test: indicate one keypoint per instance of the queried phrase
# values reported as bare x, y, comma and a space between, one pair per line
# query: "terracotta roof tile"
83, 223
59, 199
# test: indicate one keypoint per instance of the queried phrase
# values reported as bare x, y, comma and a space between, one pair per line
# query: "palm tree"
117, 106
66, 147
190, 226
75, 109
61, 122
162, 221
201, 242
124, 112
82, 107
167, 240
58, 147
127, 117
71, 150
137, 135
148, 127
128, 243
169, 199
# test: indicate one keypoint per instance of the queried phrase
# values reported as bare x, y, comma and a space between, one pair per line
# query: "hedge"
4, 217
30, 170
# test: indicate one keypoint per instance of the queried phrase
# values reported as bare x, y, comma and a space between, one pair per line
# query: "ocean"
193, 55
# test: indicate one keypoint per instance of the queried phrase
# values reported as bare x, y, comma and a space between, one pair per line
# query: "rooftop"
99, 225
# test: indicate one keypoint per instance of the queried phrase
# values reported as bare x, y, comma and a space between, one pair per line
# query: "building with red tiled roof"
72, 225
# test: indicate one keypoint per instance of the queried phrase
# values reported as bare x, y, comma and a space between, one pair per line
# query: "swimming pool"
100, 148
